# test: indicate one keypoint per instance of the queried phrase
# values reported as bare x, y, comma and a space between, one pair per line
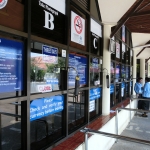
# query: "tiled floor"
78, 138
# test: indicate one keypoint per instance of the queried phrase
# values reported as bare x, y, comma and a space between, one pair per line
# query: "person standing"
138, 88
146, 95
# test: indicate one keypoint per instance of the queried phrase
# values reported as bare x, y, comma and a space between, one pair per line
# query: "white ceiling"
111, 12
141, 39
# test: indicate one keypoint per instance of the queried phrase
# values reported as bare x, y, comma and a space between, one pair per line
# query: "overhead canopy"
135, 14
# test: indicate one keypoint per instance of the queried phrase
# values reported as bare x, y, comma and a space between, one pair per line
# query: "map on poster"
46, 106
80, 64
77, 29
11, 65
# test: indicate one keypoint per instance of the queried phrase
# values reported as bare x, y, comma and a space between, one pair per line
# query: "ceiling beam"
143, 7
143, 49
140, 14
125, 18
147, 59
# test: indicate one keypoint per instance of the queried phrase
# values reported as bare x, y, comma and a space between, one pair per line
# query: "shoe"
144, 115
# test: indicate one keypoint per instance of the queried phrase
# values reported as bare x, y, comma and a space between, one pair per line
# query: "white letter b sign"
49, 18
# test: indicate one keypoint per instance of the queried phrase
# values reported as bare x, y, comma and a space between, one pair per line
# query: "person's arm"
135, 88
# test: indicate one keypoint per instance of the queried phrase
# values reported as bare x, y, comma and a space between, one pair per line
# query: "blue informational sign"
112, 88
46, 106
48, 50
122, 85
11, 65
80, 64
95, 62
95, 93
52, 81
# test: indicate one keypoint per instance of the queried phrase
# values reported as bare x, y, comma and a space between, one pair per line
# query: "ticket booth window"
112, 98
112, 72
95, 67
95, 102
118, 93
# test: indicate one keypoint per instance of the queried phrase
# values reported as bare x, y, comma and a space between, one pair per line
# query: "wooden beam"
140, 52
125, 18
147, 59
143, 49
143, 7
140, 14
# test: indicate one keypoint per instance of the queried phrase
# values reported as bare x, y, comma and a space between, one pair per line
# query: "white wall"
98, 142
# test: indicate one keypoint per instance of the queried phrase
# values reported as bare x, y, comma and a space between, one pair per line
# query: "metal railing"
87, 131
116, 136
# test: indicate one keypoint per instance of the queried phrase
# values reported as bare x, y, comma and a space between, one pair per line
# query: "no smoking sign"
78, 24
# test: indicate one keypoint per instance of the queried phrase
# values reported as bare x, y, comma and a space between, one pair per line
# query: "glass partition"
46, 63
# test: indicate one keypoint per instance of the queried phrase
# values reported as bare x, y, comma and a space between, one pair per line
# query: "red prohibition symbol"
78, 24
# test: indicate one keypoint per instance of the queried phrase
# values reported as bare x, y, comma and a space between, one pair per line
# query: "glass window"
117, 72
95, 95
95, 67
112, 99
11, 68
123, 52
76, 110
46, 63
127, 73
46, 120
112, 71
123, 72
78, 66
118, 93
10, 126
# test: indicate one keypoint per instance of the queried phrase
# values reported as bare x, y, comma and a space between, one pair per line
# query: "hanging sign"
48, 19
50, 54
117, 50
77, 29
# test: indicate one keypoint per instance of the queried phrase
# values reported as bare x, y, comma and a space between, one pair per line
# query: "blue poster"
80, 64
112, 88
11, 65
95, 93
123, 85
46, 106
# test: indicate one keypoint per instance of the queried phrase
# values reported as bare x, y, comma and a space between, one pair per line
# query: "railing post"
116, 120
130, 111
86, 141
